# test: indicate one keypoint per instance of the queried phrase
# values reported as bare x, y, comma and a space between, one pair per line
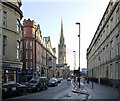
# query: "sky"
49, 14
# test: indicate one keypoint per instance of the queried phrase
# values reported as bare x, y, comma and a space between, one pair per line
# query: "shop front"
11, 74
29, 73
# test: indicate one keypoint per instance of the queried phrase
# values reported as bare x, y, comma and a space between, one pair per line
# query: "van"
37, 84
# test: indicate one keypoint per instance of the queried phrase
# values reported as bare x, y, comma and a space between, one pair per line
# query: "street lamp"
79, 43
79, 46
74, 65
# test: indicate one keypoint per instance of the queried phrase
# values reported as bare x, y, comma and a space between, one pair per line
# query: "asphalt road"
51, 93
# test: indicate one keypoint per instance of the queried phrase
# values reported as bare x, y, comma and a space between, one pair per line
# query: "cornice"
16, 8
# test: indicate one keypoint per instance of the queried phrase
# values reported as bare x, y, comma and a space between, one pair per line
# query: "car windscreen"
33, 81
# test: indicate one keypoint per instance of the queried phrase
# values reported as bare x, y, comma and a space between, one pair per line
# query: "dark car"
13, 88
53, 82
59, 80
37, 84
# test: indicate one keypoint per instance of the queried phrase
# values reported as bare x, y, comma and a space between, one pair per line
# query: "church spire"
61, 47
61, 28
61, 35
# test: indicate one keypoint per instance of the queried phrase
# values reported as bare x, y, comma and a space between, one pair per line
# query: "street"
51, 93
70, 90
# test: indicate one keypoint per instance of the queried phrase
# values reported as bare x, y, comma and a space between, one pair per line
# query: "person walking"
87, 80
78, 79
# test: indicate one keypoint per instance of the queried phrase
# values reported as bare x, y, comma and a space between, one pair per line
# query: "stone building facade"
10, 35
103, 54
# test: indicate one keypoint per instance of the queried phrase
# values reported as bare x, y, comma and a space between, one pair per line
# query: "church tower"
61, 48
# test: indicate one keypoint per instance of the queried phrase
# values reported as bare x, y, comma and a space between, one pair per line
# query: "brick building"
37, 54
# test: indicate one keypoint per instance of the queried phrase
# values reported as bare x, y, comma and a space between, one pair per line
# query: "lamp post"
35, 43
74, 65
79, 47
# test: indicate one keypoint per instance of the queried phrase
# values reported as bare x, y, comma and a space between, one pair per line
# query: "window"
111, 48
31, 65
26, 54
21, 50
18, 50
107, 71
18, 25
101, 37
107, 29
30, 44
111, 71
4, 45
117, 45
26, 65
117, 15
30, 55
117, 70
111, 24
27, 44
103, 55
4, 18
107, 52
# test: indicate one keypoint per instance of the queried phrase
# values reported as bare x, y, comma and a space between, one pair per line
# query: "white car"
68, 79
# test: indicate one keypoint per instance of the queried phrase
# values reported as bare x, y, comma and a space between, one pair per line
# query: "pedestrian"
78, 79
87, 80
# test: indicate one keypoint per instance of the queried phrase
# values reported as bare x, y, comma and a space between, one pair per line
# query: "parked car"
59, 80
53, 82
13, 88
68, 79
37, 84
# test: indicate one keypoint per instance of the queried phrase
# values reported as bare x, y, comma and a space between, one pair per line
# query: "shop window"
10, 75
3, 77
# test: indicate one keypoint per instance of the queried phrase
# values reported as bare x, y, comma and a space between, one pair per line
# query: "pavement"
89, 92
76, 94
100, 91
